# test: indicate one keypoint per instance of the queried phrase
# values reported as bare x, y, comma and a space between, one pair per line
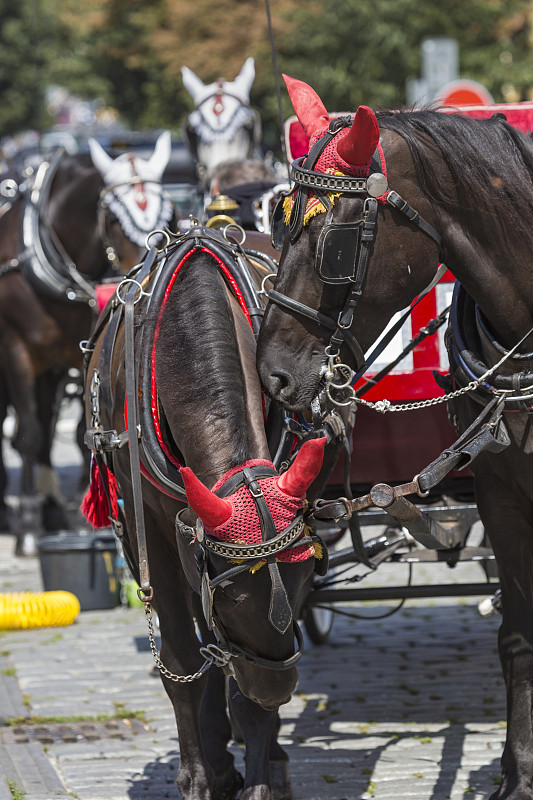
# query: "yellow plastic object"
20, 610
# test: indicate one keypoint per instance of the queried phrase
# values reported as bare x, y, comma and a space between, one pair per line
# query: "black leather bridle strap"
367, 238
396, 201
288, 304
266, 663
280, 611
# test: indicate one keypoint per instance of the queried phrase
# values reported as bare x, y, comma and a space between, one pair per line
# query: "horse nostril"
282, 384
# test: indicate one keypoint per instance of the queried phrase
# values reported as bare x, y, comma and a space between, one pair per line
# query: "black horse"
357, 251
178, 337
65, 225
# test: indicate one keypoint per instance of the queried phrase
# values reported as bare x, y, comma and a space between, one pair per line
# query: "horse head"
132, 201
251, 512
222, 126
350, 260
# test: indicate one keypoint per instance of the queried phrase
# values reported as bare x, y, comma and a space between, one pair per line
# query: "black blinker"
277, 224
337, 252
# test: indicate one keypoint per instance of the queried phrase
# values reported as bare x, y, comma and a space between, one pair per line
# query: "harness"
475, 353
45, 263
343, 251
140, 295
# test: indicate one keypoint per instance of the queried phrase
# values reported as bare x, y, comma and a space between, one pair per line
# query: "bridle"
343, 250
199, 129
110, 204
248, 558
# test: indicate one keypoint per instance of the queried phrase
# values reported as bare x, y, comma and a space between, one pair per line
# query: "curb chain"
212, 655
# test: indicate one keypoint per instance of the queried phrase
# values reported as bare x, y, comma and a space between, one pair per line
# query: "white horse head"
222, 127
133, 188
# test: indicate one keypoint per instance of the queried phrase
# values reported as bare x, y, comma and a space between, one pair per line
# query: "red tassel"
95, 505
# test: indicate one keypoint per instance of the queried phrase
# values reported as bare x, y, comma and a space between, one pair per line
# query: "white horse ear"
101, 160
193, 84
244, 80
161, 154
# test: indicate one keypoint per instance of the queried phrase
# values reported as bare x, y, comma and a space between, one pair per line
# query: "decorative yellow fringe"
314, 205
21, 610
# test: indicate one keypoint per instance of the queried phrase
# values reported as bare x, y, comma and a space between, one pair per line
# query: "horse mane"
490, 163
197, 321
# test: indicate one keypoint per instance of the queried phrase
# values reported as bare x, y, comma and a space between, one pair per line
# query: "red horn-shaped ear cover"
358, 144
212, 510
304, 469
308, 106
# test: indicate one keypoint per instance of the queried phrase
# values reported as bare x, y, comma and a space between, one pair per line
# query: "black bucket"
84, 563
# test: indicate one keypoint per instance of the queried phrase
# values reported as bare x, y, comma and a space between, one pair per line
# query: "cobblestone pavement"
409, 706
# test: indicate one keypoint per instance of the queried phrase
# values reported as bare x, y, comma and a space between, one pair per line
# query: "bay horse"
214, 535
377, 203
65, 225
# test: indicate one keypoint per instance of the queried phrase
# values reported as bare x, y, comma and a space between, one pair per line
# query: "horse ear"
243, 82
212, 510
193, 84
101, 160
304, 469
308, 106
358, 145
161, 154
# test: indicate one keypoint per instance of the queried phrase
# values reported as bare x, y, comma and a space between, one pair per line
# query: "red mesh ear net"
212, 510
359, 143
308, 106
305, 468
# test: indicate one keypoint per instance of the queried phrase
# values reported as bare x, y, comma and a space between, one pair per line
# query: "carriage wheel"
318, 623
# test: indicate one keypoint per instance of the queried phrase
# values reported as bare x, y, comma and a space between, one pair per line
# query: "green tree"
356, 52
21, 66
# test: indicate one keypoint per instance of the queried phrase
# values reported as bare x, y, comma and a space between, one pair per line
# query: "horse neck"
495, 280
72, 214
206, 376
486, 236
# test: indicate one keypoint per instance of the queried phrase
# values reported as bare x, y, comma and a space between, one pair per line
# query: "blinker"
277, 224
337, 252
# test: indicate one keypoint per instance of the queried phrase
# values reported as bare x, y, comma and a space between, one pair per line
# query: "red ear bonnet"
308, 106
304, 469
351, 150
212, 510
359, 142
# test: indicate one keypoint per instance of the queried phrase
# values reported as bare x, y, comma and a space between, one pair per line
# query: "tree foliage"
129, 54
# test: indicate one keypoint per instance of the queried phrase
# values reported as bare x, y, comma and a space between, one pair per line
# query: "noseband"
343, 250
248, 557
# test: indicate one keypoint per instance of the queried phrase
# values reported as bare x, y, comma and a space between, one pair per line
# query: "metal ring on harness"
162, 233
124, 283
226, 231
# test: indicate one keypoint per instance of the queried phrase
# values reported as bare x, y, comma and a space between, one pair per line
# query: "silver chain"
212, 655
382, 406
342, 371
